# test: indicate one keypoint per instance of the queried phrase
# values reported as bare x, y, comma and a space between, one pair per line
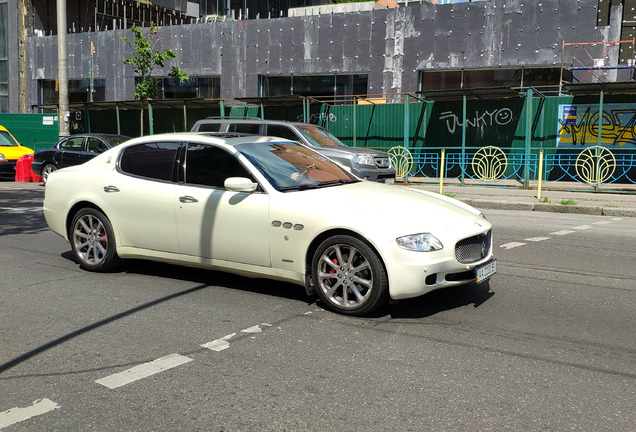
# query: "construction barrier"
23, 171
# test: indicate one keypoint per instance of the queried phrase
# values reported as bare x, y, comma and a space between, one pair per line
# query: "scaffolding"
596, 67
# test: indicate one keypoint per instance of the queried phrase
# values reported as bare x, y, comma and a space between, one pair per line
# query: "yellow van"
10, 152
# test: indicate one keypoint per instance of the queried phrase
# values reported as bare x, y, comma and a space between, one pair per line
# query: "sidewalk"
559, 197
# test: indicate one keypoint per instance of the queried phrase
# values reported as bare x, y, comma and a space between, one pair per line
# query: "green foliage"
569, 202
545, 200
144, 60
450, 195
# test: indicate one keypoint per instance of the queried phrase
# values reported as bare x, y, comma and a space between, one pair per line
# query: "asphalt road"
548, 344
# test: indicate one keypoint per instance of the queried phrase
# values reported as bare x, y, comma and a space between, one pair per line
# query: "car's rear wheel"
93, 241
349, 276
46, 170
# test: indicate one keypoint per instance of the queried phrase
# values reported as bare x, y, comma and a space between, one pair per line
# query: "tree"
144, 60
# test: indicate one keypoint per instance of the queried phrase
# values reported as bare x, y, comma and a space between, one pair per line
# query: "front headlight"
420, 242
2, 157
364, 159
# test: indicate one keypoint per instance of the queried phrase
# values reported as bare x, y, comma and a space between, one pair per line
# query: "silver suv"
366, 163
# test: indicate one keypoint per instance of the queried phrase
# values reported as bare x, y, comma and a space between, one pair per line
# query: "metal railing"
593, 166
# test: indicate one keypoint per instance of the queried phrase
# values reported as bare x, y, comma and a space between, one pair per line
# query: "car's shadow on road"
211, 278
439, 301
419, 307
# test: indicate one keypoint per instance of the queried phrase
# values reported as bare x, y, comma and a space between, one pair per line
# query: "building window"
195, 87
78, 91
502, 77
314, 85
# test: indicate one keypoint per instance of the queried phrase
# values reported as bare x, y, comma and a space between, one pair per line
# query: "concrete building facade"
374, 52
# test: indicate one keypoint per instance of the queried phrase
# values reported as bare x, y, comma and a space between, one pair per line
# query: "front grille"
473, 248
381, 162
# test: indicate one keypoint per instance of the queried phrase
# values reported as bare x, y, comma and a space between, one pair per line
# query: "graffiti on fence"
578, 125
319, 117
501, 117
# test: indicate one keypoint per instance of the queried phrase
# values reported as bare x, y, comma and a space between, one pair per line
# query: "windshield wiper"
299, 187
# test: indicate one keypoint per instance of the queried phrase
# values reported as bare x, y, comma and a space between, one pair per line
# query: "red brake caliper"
331, 270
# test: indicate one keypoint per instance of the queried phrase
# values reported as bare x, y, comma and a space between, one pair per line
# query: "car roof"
229, 139
97, 134
254, 120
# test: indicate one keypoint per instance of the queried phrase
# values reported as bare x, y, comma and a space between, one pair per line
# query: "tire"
46, 170
93, 241
349, 276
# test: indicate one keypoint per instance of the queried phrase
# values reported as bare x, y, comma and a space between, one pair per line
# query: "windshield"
7, 140
115, 141
291, 166
320, 137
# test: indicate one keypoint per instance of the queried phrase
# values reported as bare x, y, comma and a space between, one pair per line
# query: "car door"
213, 222
140, 197
72, 151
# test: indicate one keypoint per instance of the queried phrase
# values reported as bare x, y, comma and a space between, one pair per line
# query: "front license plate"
484, 272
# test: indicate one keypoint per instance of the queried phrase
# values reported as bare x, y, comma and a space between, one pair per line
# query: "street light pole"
62, 67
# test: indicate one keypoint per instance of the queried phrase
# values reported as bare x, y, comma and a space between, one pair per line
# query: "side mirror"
240, 184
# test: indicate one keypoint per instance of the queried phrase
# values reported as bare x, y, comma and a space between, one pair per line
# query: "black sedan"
73, 150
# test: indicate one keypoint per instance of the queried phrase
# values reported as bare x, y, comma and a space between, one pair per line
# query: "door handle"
111, 189
188, 199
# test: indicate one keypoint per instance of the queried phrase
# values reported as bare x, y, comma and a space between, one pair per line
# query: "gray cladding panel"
548, 18
364, 26
378, 38
337, 57
490, 33
251, 33
458, 35
584, 31
274, 60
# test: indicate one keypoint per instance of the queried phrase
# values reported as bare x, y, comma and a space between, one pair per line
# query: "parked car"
366, 163
266, 207
73, 150
10, 151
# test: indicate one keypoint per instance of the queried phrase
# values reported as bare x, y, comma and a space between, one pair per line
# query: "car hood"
396, 210
14, 153
349, 151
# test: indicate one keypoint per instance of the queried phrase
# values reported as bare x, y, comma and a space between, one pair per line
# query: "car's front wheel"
46, 170
93, 241
349, 276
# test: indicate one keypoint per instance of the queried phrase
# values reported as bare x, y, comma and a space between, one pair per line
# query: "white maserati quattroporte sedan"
266, 207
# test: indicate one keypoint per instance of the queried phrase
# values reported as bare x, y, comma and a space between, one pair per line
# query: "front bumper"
36, 167
412, 274
7, 168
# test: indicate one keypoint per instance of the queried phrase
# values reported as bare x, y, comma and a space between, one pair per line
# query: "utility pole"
22, 57
62, 67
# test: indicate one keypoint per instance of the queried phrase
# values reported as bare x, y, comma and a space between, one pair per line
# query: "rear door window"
281, 131
209, 127
248, 128
72, 144
151, 160
207, 165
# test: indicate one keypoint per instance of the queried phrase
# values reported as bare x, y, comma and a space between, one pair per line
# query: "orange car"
10, 152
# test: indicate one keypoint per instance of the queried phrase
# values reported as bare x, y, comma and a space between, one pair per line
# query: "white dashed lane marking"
511, 245
143, 371
219, 344
582, 227
602, 223
223, 343
16, 415
537, 239
563, 232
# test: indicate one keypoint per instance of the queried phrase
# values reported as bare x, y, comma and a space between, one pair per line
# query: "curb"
553, 208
